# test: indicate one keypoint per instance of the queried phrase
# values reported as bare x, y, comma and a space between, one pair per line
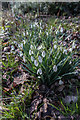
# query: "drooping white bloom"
39, 47
70, 49
32, 58
55, 68
61, 82
24, 58
47, 33
35, 63
24, 33
21, 54
21, 45
39, 71
73, 45
40, 23
40, 59
31, 46
27, 32
61, 29
30, 52
56, 31
31, 26
24, 41
43, 54
40, 31
39, 77
70, 62
55, 46
12, 47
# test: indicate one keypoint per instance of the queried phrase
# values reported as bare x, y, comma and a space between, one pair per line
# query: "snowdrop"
27, 32
30, 52
39, 47
73, 45
47, 33
21, 45
32, 58
35, 63
24, 58
61, 29
70, 49
21, 54
43, 54
55, 46
39, 77
31, 26
24, 41
40, 59
24, 33
40, 31
12, 47
55, 68
61, 82
39, 71
31, 46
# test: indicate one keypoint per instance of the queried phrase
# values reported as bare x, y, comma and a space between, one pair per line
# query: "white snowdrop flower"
36, 23
70, 49
31, 26
21, 54
73, 45
35, 63
70, 62
39, 77
47, 33
61, 29
27, 32
39, 71
55, 46
40, 23
61, 82
55, 68
51, 27
39, 47
56, 31
24, 58
40, 31
18, 45
30, 34
24, 33
21, 45
32, 58
30, 52
40, 59
31, 46
43, 54
24, 41
12, 47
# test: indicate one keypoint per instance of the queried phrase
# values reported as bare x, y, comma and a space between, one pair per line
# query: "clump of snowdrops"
49, 64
